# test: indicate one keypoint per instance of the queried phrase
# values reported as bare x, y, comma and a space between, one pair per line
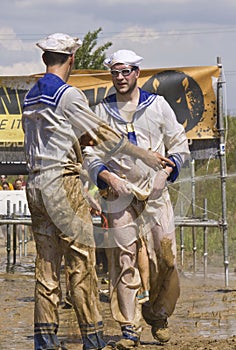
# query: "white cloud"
22, 68
138, 34
10, 41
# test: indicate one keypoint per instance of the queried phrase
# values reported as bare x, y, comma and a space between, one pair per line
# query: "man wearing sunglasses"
138, 202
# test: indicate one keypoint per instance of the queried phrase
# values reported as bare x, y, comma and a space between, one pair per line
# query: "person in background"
4, 179
18, 185
55, 116
22, 178
145, 214
5, 186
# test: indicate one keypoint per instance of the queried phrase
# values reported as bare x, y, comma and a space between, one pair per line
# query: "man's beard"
128, 91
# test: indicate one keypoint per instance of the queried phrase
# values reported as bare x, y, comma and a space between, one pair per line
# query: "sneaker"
143, 297
124, 344
160, 331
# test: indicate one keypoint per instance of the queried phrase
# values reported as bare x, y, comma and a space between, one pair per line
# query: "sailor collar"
110, 103
47, 90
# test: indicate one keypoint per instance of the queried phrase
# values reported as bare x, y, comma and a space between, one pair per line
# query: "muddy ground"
205, 316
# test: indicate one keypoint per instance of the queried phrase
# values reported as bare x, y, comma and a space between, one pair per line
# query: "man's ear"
43, 58
71, 59
137, 72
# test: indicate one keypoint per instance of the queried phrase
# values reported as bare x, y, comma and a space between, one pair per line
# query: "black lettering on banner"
11, 145
3, 124
16, 124
11, 100
100, 93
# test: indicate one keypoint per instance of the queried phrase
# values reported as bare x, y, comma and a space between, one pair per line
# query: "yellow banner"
191, 92
12, 92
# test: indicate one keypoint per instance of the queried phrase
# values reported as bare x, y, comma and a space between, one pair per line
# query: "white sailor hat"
59, 42
126, 57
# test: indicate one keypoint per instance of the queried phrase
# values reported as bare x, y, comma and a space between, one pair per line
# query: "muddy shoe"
124, 344
160, 331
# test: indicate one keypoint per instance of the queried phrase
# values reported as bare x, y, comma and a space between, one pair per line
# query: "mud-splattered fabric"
55, 116
125, 227
52, 245
154, 125
164, 278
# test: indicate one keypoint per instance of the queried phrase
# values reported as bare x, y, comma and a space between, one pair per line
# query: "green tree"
89, 58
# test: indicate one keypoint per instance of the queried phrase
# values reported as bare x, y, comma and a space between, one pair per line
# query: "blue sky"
167, 33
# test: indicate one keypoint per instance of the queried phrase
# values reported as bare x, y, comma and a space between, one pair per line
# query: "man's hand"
118, 185
159, 183
153, 159
95, 207
163, 161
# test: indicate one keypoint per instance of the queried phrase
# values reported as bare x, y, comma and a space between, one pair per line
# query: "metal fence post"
205, 239
181, 236
14, 236
223, 169
8, 234
193, 213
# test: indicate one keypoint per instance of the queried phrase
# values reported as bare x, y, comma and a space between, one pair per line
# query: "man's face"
18, 185
126, 80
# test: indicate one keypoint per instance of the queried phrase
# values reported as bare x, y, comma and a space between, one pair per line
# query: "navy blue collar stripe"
50, 100
47, 90
110, 104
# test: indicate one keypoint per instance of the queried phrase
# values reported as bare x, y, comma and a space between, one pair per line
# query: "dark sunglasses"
125, 72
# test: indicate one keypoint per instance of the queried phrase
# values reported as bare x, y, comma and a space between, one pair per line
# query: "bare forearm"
153, 159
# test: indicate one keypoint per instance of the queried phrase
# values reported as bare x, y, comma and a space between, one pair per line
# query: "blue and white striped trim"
110, 104
146, 102
49, 100
94, 168
92, 335
177, 159
112, 109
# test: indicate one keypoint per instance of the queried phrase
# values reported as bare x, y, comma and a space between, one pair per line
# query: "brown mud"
204, 319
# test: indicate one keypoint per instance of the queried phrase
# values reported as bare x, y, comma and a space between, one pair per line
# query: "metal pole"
20, 231
14, 236
181, 237
223, 171
25, 229
193, 213
205, 239
8, 235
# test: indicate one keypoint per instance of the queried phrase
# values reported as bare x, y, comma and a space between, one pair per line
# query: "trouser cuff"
92, 336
